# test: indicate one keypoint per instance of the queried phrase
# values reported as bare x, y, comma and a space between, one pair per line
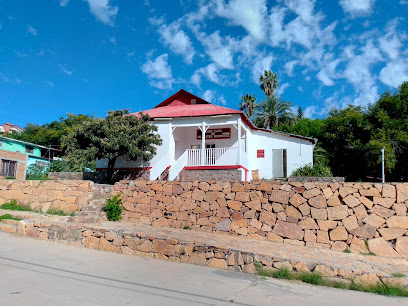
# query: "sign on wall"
223, 133
260, 153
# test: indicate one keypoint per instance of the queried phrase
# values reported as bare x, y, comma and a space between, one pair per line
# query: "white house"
210, 142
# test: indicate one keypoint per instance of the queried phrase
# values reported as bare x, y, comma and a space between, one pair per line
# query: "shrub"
37, 172
113, 208
13, 205
9, 217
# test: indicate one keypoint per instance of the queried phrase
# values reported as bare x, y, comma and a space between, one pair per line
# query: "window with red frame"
260, 153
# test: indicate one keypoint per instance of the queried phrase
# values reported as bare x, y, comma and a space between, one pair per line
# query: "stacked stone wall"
65, 195
216, 252
223, 175
335, 216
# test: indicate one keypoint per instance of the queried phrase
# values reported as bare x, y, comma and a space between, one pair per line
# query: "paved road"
42, 273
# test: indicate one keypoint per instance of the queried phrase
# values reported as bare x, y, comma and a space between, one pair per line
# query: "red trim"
140, 168
215, 167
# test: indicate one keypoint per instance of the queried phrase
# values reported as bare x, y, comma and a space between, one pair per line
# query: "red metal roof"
179, 105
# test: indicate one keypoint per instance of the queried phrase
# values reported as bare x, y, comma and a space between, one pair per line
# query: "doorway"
210, 155
279, 163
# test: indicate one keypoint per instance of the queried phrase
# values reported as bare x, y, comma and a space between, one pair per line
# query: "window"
8, 167
260, 153
29, 149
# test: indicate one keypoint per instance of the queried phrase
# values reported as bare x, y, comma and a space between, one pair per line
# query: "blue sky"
90, 56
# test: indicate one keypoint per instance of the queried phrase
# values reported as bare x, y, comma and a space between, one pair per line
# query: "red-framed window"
260, 153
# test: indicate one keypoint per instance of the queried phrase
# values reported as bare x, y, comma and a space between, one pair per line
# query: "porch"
217, 143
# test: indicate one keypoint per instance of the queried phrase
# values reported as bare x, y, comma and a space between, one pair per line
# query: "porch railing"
213, 157
178, 166
158, 168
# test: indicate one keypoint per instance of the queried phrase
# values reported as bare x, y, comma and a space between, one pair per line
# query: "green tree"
269, 82
50, 133
300, 114
117, 135
272, 112
247, 104
389, 121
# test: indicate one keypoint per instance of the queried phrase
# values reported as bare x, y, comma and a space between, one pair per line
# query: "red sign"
260, 153
223, 133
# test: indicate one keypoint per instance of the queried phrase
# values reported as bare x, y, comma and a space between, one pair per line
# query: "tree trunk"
109, 173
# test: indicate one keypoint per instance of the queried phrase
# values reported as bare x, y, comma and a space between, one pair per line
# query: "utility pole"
383, 165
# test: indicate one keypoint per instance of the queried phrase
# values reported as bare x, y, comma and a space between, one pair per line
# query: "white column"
239, 141
172, 145
203, 144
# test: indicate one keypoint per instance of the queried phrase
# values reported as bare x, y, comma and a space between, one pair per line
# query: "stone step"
86, 219
8, 228
91, 208
90, 214
100, 202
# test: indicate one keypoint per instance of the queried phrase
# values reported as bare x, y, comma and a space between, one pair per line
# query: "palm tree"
247, 104
273, 112
269, 82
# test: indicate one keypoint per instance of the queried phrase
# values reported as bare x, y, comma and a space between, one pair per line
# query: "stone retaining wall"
323, 215
65, 195
210, 175
226, 254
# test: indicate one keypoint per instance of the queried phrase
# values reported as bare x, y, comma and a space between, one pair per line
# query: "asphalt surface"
34, 272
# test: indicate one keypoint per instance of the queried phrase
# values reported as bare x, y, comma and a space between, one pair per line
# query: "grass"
347, 251
57, 212
318, 280
397, 274
38, 178
368, 248
187, 227
13, 205
9, 217
10, 178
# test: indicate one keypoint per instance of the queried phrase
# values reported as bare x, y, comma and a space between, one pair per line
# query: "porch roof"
180, 105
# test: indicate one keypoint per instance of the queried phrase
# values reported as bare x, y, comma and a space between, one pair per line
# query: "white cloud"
212, 97
4, 78
63, 2
209, 95
289, 67
251, 15
357, 7
220, 49
261, 63
394, 73
358, 72
303, 8
391, 43
31, 30
65, 70
103, 11
49, 83
210, 72
327, 74
330, 103
159, 72
281, 89
177, 40
113, 41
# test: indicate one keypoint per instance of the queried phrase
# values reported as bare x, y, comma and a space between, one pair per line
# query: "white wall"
299, 152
